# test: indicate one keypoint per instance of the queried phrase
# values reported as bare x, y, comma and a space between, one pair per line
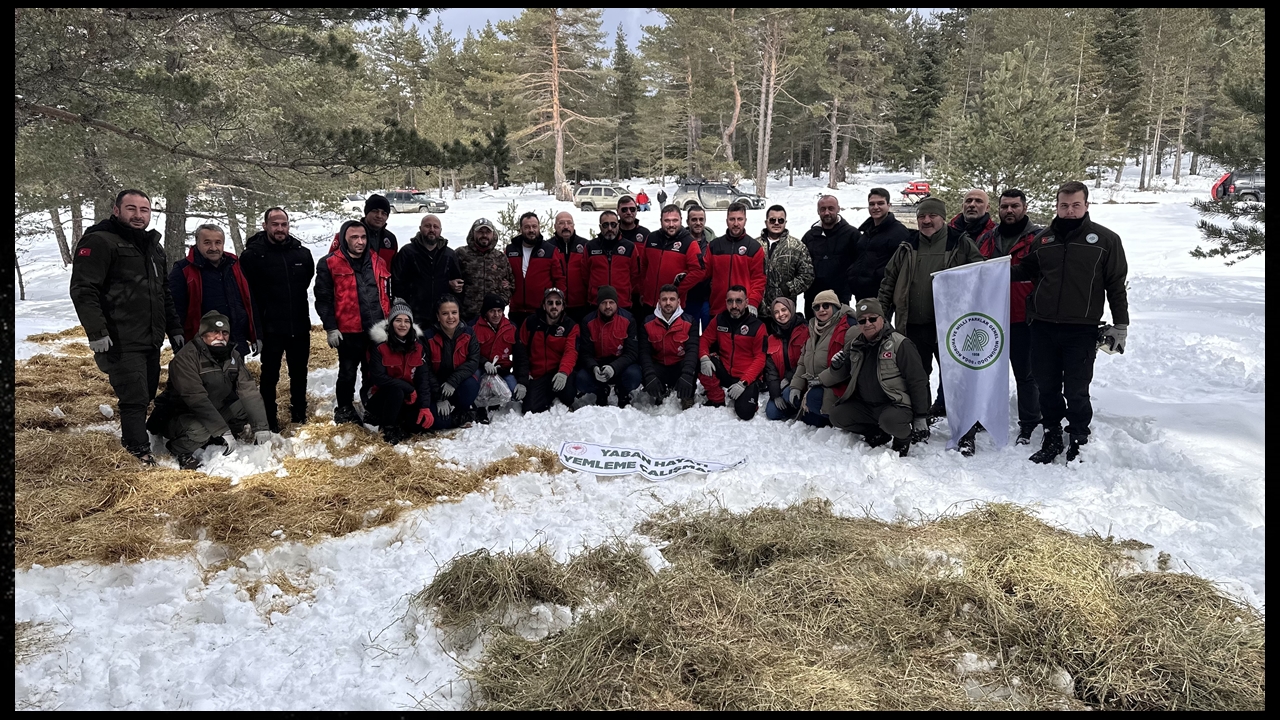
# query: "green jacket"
895, 288
899, 369
200, 386
788, 268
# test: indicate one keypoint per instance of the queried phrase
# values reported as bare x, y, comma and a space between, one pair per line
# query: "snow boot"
901, 446
187, 461
482, 416
1050, 447
1073, 449
1024, 435
345, 414
143, 453
624, 399
686, 403
878, 438
393, 435
937, 411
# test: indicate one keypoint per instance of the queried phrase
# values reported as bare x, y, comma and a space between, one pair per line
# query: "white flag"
971, 307
610, 460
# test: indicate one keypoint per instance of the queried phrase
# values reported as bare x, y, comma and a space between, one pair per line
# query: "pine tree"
1119, 43
921, 83
1246, 236
625, 91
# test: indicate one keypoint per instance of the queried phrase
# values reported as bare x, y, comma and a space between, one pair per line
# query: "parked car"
1246, 185
431, 205
353, 203
598, 196
714, 196
405, 201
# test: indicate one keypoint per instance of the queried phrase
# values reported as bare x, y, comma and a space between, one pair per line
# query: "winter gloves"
262, 437
920, 430
335, 338
559, 381
705, 366
445, 408
780, 403
491, 367
102, 344
411, 398
838, 360
754, 310
676, 280
654, 388
684, 388
425, 419
257, 347
1114, 337
177, 341
229, 443
793, 397
735, 390
604, 373
518, 393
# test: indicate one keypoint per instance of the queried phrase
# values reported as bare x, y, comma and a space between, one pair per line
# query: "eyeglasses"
626, 209
608, 225
777, 221
824, 306
867, 319
555, 303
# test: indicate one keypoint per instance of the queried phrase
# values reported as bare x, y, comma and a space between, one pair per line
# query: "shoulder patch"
84, 252
1091, 238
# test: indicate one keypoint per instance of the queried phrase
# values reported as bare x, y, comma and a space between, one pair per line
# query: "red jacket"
546, 269
195, 294
496, 343
739, 343
785, 357
574, 254
388, 366
958, 223
613, 264
346, 296
663, 344
663, 257
386, 248
613, 342
838, 336
729, 262
452, 360
989, 246
543, 348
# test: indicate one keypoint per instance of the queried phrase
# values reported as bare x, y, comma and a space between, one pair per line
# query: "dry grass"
797, 608
74, 385
70, 333
31, 640
79, 496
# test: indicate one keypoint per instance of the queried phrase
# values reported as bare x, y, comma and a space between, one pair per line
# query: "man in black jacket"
425, 268
279, 271
881, 236
1073, 263
120, 292
833, 247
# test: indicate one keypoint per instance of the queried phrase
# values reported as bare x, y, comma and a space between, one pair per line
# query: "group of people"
626, 312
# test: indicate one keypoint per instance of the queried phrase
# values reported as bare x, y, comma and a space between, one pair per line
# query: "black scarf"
1016, 229
976, 227
1065, 226
220, 353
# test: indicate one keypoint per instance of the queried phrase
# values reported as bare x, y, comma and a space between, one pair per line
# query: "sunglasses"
555, 303
867, 319
626, 209
827, 306
608, 224
777, 221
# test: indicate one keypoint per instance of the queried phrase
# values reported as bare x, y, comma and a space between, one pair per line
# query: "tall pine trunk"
77, 219
22, 284
835, 135
760, 124
233, 220
175, 223
60, 233
1182, 125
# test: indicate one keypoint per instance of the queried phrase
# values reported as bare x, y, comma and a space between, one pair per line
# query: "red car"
916, 190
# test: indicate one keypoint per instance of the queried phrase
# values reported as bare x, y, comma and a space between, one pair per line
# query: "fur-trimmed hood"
381, 332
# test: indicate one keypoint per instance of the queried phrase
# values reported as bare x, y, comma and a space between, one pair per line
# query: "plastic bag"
493, 392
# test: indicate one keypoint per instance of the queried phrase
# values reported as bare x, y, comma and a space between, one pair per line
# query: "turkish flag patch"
84, 252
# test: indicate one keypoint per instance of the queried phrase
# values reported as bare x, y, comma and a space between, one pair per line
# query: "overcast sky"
457, 20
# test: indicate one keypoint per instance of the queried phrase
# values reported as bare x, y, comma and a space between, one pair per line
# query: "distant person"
209, 278
425, 269
833, 248
121, 295
210, 396
787, 336
453, 356
537, 265
485, 270
888, 391
662, 196
608, 351
352, 295
881, 235
732, 355
573, 248
280, 270
399, 393
827, 330
669, 350
1075, 263
546, 354
642, 199
497, 337
788, 267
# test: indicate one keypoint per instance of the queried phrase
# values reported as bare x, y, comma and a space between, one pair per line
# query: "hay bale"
479, 585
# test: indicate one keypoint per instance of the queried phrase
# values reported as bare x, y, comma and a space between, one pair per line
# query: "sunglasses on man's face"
867, 319
777, 221
555, 303
608, 224
626, 209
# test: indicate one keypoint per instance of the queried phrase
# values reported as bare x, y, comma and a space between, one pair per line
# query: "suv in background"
430, 204
404, 201
598, 196
714, 196
1245, 185
353, 203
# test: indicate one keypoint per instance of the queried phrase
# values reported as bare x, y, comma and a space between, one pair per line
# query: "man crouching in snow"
546, 352
733, 354
399, 394
210, 396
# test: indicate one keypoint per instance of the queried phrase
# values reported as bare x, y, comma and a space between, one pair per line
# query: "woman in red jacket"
453, 356
399, 393
497, 336
786, 341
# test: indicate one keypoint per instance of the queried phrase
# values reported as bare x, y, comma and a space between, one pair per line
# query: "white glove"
102, 344
446, 390
491, 368
518, 393
229, 442
559, 381
838, 360
599, 373
607, 372
1117, 335
793, 396
335, 338
444, 408
736, 390
780, 403
754, 310
176, 342
262, 437
706, 367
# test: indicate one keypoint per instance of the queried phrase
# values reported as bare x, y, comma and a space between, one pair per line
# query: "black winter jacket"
279, 275
833, 253
420, 276
875, 247
1072, 271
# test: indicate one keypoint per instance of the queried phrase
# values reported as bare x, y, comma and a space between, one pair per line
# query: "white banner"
971, 307
609, 460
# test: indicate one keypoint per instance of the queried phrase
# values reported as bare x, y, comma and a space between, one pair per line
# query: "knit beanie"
869, 306
826, 296
931, 206
606, 292
400, 307
376, 202
214, 321
492, 301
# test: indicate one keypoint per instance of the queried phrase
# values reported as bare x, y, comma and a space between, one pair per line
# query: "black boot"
937, 411
968, 445
143, 453
624, 399
1024, 435
1073, 450
878, 438
187, 461
1050, 448
298, 415
392, 434
901, 446
345, 414
482, 416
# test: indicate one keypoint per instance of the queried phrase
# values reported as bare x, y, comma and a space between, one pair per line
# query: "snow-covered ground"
1177, 460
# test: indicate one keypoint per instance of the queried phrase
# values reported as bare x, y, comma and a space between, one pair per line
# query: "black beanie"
606, 292
492, 301
376, 202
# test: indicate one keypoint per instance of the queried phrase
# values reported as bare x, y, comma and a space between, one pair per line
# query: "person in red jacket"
786, 341
573, 248
612, 261
608, 351
453, 356
399, 392
664, 258
734, 258
210, 278
497, 337
352, 295
1013, 237
545, 355
536, 264
669, 350
382, 241
732, 356
642, 199
975, 215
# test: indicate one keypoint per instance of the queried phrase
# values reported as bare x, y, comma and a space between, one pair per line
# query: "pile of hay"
79, 496
71, 333
73, 385
797, 608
